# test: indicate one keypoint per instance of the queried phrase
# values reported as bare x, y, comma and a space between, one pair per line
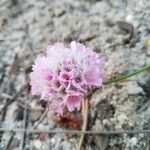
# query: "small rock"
37, 144
35, 115
134, 89
122, 118
144, 82
133, 141
59, 11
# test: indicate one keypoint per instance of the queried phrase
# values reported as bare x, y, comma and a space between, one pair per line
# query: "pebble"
37, 144
133, 141
134, 89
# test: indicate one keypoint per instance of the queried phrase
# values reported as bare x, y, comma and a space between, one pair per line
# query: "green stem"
123, 77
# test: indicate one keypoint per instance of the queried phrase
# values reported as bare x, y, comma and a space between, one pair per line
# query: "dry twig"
85, 119
41, 118
21, 147
9, 141
99, 132
13, 99
129, 28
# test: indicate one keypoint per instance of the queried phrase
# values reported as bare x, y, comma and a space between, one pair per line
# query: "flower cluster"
65, 75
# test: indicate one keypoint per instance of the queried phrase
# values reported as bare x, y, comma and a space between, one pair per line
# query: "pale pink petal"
71, 89
57, 106
92, 76
65, 76
73, 101
77, 46
48, 93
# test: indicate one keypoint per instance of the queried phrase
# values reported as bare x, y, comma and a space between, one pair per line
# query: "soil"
118, 29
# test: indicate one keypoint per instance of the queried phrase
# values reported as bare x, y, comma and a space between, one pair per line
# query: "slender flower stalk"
130, 74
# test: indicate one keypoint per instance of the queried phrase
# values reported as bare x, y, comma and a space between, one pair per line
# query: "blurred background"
118, 29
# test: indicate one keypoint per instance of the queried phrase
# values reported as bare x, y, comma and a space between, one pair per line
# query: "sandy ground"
27, 27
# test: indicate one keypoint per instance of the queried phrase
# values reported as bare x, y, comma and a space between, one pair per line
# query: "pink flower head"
65, 75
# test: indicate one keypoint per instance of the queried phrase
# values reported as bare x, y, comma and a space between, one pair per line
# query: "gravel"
27, 27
